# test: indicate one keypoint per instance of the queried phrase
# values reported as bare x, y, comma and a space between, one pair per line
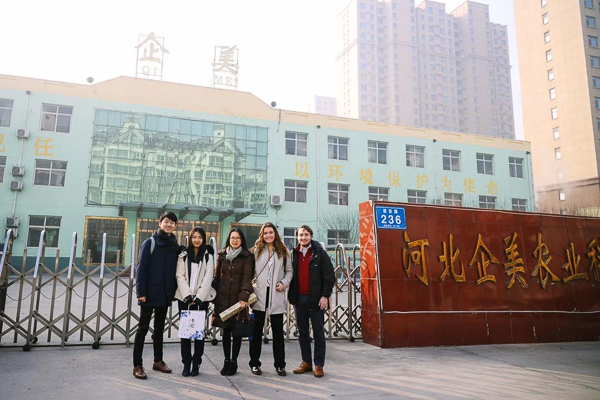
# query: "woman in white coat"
273, 273
194, 278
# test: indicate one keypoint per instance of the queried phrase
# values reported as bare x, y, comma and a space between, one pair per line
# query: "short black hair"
168, 214
244, 245
306, 228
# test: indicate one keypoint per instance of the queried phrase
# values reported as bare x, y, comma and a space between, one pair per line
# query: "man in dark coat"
309, 293
156, 284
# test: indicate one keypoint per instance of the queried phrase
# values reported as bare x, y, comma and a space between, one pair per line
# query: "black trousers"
237, 344
304, 314
186, 344
278, 342
160, 313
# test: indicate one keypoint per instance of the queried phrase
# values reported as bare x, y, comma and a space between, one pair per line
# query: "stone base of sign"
415, 293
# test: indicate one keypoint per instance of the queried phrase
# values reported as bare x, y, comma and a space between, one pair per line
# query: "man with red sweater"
309, 292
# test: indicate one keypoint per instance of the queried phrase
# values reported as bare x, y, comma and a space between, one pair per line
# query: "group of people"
196, 276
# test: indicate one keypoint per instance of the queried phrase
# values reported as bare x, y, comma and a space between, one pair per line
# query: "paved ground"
353, 370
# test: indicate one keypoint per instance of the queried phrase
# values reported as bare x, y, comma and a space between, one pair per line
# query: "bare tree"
347, 221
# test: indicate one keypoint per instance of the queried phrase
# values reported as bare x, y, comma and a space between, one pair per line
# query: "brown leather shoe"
304, 367
162, 367
319, 372
139, 373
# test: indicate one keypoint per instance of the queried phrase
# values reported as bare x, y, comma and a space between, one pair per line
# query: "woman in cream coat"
273, 273
194, 278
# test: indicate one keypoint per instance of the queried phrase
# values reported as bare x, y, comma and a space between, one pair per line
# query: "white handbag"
192, 324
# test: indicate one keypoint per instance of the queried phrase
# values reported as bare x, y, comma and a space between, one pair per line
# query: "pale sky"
287, 48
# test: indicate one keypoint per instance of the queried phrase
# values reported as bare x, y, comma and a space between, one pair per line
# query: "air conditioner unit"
18, 170
16, 185
276, 200
23, 133
12, 222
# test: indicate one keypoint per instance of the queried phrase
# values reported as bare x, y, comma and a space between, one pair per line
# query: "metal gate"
46, 303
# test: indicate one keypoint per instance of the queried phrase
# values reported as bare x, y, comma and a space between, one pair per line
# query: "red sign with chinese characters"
459, 276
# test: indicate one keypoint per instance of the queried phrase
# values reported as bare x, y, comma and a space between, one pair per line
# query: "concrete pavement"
353, 370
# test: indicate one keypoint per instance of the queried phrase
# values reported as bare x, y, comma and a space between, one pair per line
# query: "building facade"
559, 59
424, 67
110, 157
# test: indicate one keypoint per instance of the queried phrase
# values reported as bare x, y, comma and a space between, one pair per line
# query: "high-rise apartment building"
323, 105
424, 67
559, 63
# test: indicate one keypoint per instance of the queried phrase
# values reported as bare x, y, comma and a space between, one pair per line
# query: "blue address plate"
390, 217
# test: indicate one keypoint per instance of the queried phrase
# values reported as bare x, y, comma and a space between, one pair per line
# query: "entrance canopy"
182, 210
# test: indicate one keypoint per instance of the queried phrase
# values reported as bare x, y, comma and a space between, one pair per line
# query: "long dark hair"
197, 258
244, 246
260, 244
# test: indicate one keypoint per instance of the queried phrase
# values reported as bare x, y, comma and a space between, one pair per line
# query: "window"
590, 22
337, 148
115, 229
593, 41
519, 204
378, 193
56, 118
595, 61
557, 153
549, 55
554, 113
338, 194
2, 167
377, 152
544, 2
485, 164
295, 143
337, 236
550, 74
552, 93
488, 202
546, 37
588, 3
295, 191
6, 107
289, 237
515, 166
598, 123
561, 195
545, 19
453, 199
451, 160
556, 133
50, 173
596, 80
417, 196
415, 156
39, 223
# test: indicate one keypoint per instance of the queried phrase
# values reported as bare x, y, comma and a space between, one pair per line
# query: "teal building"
112, 156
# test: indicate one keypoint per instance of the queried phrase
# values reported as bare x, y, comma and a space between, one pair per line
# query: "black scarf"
169, 238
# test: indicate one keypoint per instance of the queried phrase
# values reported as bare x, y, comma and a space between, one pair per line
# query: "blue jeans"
304, 314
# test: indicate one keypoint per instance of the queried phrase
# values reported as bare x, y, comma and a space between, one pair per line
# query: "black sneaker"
225, 367
232, 368
281, 371
256, 370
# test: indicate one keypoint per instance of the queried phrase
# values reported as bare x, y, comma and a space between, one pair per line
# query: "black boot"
195, 368
225, 367
186, 369
232, 368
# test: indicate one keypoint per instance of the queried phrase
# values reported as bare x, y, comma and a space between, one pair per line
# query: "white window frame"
547, 37
548, 55
453, 199
58, 114
552, 93
6, 110
487, 202
40, 228
544, 2
416, 196
289, 237
556, 133
296, 139
334, 146
554, 113
515, 167
519, 204
562, 196
52, 170
338, 194
415, 156
551, 74
557, 153
545, 19
379, 193
295, 187
377, 152
487, 163
453, 157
